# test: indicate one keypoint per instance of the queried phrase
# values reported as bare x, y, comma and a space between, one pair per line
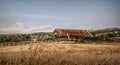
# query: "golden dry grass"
61, 53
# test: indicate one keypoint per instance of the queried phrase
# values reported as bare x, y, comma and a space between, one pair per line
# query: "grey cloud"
11, 24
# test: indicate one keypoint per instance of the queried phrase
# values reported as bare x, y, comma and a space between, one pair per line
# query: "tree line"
106, 33
15, 37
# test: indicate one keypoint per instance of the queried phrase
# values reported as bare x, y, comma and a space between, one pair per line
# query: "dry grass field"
61, 53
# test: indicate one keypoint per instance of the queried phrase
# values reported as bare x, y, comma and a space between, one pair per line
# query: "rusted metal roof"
72, 32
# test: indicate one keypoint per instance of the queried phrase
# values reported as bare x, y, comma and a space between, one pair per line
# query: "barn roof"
72, 32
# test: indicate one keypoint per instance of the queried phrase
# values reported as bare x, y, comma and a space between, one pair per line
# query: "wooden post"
68, 36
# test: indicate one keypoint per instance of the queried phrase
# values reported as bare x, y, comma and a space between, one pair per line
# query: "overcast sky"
27, 16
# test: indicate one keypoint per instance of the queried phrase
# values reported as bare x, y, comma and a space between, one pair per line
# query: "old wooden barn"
71, 34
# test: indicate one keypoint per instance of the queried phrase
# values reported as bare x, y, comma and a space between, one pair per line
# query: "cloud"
15, 27
41, 28
18, 27
13, 24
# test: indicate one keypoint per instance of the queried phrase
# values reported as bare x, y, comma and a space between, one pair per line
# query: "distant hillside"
107, 33
43, 33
